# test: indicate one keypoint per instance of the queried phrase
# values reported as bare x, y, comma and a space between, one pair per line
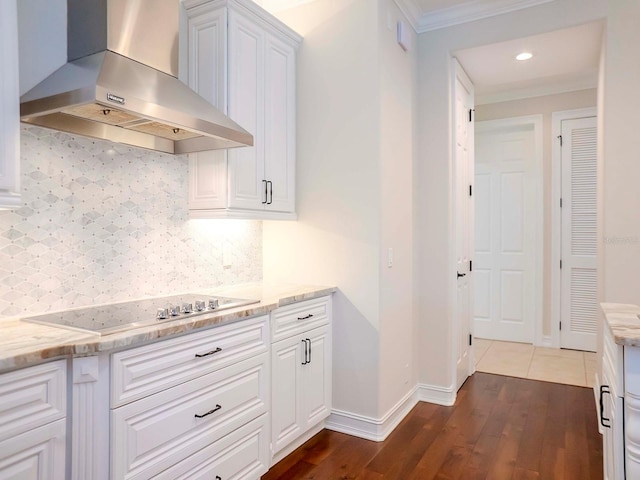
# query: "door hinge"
560, 264
471, 265
560, 138
471, 110
470, 190
560, 203
470, 339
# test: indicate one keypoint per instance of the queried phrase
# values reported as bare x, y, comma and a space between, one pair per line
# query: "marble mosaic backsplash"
103, 222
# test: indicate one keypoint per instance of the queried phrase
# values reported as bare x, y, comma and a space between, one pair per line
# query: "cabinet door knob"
309, 340
266, 195
270, 183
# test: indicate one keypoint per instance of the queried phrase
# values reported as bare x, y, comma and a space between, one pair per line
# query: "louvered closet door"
579, 235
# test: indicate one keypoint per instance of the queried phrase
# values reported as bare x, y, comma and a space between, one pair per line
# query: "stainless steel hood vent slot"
120, 82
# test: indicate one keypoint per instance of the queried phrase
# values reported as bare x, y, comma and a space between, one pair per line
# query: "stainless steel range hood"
120, 82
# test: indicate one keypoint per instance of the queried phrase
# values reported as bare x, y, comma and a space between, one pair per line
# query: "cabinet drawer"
32, 397
155, 433
37, 454
300, 317
243, 454
142, 371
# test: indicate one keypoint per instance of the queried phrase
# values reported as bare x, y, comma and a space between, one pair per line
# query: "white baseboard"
369, 428
445, 396
547, 341
378, 429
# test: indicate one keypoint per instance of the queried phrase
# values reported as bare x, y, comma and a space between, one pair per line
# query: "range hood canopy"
120, 82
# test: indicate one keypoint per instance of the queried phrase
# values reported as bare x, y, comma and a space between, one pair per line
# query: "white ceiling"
563, 60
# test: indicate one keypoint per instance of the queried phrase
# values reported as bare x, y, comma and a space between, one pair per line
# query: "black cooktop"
119, 317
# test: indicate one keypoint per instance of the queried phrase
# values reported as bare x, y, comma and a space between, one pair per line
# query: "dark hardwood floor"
500, 428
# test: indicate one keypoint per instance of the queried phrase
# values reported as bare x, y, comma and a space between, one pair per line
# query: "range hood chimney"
120, 82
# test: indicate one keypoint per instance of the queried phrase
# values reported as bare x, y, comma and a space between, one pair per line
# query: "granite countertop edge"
23, 344
623, 322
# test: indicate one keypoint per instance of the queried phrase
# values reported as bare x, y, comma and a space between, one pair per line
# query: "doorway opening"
516, 296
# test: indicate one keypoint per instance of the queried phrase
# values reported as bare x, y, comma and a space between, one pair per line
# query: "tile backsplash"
103, 222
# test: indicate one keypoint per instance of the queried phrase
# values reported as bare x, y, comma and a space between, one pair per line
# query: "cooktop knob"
213, 303
174, 310
200, 305
162, 314
187, 307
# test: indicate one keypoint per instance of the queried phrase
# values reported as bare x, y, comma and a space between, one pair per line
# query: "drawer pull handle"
307, 317
198, 355
218, 407
605, 422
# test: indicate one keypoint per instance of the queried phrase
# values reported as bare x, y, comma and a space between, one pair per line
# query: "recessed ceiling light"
524, 56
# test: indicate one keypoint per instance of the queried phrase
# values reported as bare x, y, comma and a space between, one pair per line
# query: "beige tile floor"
570, 367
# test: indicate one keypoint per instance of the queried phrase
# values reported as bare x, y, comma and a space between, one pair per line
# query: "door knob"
461, 274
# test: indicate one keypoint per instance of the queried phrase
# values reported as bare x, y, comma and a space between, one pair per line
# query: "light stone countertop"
23, 344
623, 322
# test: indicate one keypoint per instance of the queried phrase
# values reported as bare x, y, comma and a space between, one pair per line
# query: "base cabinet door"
316, 377
286, 390
300, 385
38, 454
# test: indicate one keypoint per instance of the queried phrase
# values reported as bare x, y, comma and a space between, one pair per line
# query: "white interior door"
507, 212
579, 305
463, 207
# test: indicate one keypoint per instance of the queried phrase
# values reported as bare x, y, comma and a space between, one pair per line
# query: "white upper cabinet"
242, 60
9, 107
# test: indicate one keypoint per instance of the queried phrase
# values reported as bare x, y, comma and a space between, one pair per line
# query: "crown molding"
584, 82
410, 10
462, 13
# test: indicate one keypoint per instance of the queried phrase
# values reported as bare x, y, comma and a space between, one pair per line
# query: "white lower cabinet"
301, 373
620, 409
168, 429
32, 422
157, 432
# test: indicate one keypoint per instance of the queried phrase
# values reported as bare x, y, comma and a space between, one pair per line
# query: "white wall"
435, 276
621, 203
336, 238
398, 71
355, 153
545, 106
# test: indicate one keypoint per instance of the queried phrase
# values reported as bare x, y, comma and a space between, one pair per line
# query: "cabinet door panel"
316, 375
38, 454
286, 413
246, 107
31, 397
280, 124
243, 453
